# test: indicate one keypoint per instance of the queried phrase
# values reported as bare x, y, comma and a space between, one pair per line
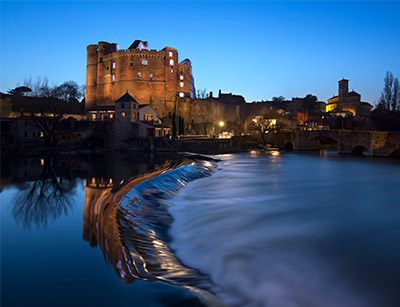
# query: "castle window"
181, 77
131, 64
122, 105
139, 74
181, 84
93, 116
143, 62
101, 59
113, 65
111, 116
113, 77
171, 62
172, 71
108, 67
151, 75
41, 134
122, 114
181, 94
134, 115
170, 54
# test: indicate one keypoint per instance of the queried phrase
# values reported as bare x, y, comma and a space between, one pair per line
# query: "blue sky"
257, 49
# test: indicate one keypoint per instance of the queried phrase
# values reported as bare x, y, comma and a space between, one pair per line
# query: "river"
254, 229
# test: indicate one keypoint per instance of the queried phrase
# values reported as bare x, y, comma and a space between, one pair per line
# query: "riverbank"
136, 145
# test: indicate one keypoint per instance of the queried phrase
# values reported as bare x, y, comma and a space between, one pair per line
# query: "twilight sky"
258, 49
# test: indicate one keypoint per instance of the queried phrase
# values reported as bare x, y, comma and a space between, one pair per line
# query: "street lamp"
221, 124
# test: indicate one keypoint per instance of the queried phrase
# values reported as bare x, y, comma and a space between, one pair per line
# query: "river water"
255, 229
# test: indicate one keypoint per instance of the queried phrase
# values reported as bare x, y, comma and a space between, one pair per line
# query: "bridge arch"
288, 146
359, 150
395, 153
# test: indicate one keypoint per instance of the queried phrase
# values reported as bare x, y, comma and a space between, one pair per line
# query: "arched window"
122, 114
122, 105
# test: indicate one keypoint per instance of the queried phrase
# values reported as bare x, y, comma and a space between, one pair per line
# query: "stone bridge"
383, 144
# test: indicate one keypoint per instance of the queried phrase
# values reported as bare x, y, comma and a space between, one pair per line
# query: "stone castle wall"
150, 76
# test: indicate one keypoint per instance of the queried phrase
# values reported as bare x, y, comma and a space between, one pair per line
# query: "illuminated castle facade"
152, 77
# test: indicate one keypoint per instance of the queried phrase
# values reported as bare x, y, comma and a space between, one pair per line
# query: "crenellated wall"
150, 76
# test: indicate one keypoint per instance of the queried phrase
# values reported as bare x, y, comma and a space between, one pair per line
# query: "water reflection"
44, 199
129, 224
47, 184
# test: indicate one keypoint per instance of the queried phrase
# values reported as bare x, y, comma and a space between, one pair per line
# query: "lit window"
171, 62
143, 62
122, 114
134, 115
93, 116
172, 71
113, 65
181, 84
181, 77
151, 75
113, 77
111, 116
41, 161
181, 94
148, 117
170, 54
41, 134
139, 74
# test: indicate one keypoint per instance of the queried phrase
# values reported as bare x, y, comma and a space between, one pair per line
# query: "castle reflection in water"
47, 186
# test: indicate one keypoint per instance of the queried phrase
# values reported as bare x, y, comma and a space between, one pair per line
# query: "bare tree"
47, 198
68, 91
48, 122
263, 125
202, 93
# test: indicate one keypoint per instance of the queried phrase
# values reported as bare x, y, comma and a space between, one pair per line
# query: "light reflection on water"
266, 229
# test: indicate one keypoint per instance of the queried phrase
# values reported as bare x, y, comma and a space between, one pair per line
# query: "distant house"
24, 119
347, 102
128, 110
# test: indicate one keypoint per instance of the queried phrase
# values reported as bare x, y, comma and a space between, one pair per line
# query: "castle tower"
343, 89
91, 76
151, 77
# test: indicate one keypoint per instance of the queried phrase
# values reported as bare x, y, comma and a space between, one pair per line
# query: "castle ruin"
152, 77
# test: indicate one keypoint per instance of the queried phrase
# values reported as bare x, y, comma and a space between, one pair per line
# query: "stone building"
130, 116
154, 77
347, 101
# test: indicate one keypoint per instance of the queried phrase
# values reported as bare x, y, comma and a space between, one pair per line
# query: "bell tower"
343, 89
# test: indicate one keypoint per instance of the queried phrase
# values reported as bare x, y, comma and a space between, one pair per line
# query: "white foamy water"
290, 231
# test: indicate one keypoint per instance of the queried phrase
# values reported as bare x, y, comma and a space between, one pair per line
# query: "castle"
153, 77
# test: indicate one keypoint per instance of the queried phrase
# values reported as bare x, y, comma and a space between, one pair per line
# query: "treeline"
386, 115
67, 91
